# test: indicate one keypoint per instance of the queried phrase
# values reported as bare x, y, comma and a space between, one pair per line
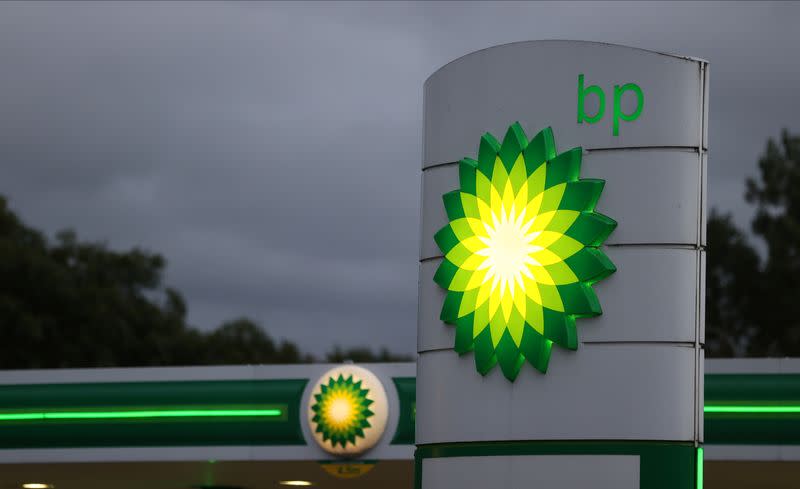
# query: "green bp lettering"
618, 114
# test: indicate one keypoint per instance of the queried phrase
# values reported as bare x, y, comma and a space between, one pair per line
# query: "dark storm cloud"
271, 151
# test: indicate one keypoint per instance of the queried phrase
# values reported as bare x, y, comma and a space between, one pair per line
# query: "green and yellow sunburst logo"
347, 410
341, 411
521, 251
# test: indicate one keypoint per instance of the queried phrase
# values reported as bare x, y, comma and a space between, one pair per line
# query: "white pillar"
620, 405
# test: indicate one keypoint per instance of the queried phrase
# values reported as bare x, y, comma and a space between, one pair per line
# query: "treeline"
753, 295
70, 303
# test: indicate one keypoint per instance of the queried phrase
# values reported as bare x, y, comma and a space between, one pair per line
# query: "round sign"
347, 410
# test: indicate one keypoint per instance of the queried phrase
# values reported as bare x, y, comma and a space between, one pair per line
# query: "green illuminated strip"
174, 413
699, 468
752, 409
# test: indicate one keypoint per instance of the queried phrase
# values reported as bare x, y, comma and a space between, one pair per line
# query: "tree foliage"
76, 304
732, 288
752, 301
361, 354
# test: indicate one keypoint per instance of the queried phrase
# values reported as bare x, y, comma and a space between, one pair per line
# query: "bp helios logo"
521, 251
347, 410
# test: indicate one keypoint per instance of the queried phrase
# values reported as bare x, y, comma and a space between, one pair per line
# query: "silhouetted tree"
243, 341
77, 304
753, 308
776, 194
361, 354
733, 286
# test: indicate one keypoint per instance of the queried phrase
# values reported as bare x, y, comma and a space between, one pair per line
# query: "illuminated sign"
268, 412
347, 410
521, 251
618, 114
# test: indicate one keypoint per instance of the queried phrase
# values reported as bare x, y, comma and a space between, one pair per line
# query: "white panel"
435, 183
701, 389
701, 296
704, 201
187, 454
705, 105
141, 374
536, 83
653, 195
600, 392
517, 471
432, 333
175, 374
651, 297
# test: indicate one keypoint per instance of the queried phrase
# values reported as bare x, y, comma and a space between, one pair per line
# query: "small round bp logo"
521, 251
347, 410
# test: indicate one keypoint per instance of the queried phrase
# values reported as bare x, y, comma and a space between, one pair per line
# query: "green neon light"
173, 413
699, 468
751, 409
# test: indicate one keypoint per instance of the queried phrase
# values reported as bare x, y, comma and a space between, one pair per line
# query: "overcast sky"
271, 151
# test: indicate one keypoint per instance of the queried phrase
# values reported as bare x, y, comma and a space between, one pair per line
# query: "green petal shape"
522, 249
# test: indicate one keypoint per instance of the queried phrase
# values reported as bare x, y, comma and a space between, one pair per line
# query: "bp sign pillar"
561, 292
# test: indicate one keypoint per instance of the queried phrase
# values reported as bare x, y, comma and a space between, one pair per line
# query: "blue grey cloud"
271, 150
